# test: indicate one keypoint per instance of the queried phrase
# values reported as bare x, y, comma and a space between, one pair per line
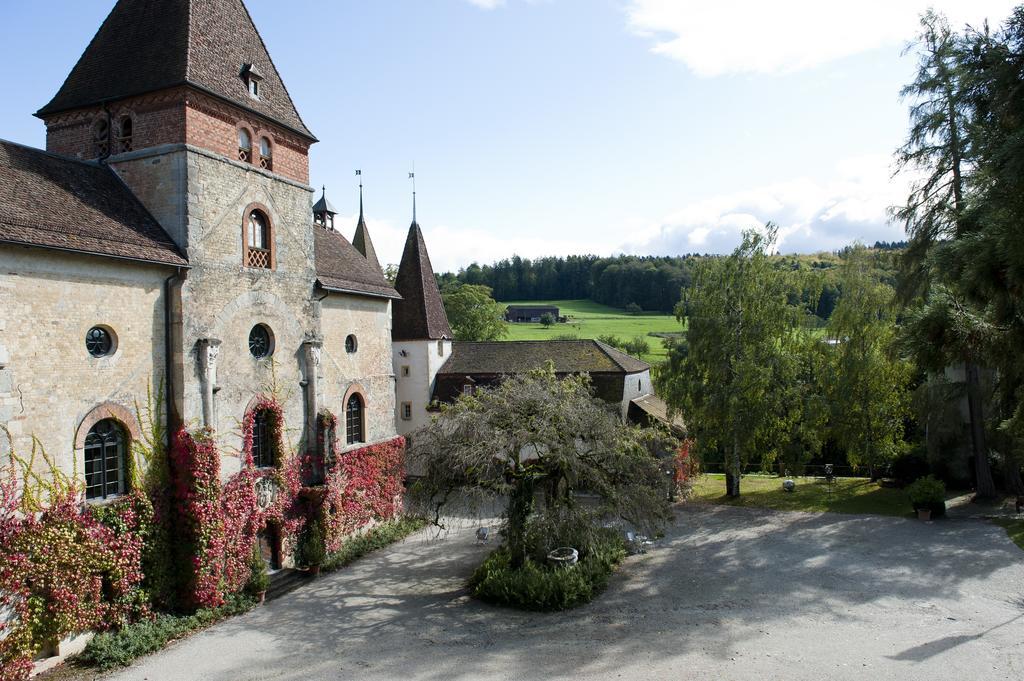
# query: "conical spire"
362, 240
420, 314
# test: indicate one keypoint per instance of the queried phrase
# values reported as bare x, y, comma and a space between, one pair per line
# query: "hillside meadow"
587, 319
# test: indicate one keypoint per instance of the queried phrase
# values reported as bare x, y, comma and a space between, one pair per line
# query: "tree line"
654, 283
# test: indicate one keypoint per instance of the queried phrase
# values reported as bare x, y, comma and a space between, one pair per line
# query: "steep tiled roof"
54, 202
513, 357
148, 45
420, 314
340, 267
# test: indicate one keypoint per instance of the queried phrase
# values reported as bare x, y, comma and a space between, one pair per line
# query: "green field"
588, 319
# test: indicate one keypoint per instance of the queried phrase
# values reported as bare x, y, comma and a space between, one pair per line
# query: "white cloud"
717, 37
487, 4
813, 214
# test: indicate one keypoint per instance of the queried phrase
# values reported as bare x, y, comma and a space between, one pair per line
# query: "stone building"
164, 244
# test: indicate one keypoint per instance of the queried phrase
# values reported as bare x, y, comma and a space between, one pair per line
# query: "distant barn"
529, 313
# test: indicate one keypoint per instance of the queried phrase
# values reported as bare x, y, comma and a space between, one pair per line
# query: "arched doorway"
269, 543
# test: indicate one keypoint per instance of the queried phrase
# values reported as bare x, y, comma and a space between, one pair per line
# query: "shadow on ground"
728, 593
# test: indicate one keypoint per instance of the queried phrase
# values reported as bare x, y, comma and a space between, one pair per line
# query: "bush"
633, 308
908, 467
117, 649
928, 493
537, 586
312, 550
377, 538
611, 340
258, 579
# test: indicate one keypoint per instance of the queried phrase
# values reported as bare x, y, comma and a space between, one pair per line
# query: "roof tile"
55, 202
149, 45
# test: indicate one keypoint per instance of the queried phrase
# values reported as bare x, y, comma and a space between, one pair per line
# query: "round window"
99, 341
261, 342
350, 343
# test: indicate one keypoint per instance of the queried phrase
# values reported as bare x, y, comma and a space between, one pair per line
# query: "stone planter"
564, 556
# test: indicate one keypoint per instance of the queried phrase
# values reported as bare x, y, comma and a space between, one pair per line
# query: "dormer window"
244, 145
124, 140
252, 77
266, 154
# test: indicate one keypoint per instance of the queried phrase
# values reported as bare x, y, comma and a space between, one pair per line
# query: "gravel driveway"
730, 593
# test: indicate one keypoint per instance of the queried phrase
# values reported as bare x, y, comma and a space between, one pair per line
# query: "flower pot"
261, 596
924, 514
314, 570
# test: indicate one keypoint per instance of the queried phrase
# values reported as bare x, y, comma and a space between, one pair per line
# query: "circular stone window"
350, 344
99, 341
261, 342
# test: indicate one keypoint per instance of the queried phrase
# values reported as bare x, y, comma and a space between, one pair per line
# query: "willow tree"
539, 435
732, 374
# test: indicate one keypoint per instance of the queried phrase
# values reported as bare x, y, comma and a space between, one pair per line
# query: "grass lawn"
1014, 528
849, 495
588, 319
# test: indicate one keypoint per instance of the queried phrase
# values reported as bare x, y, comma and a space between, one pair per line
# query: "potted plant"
928, 497
314, 552
258, 579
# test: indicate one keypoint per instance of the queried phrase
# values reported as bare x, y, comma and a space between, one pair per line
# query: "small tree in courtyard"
535, 434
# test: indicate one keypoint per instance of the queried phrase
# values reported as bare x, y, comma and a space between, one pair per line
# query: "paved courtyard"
730, 593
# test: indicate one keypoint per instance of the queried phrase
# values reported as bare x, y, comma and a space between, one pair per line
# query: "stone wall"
367, 370
222, 300
49, 383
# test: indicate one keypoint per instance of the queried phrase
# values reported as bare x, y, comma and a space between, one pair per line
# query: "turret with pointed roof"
420, 314
148, 45
361, 240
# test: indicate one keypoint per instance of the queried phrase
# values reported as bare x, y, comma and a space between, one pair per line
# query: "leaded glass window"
99, 342
354, 420
262, 446
105, 460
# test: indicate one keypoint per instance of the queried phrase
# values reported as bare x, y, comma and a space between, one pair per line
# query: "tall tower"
182, 100
420, 334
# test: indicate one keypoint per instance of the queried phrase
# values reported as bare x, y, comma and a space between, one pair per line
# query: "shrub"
611, 340
928, 493
259, 582
312, 549
536, 586
547, 319
117, 649
376, 538
633, 308
908, 467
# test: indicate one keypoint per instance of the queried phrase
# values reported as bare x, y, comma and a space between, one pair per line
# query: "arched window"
266, 154
101, 137
244, 146
105, 461
258, 241
124, 140
354, 420
262, 446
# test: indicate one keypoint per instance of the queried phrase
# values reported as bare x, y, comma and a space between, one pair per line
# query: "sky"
554, 127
